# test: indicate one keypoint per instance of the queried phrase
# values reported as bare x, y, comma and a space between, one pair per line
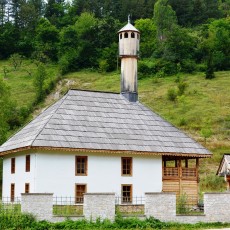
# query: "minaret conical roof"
128, 27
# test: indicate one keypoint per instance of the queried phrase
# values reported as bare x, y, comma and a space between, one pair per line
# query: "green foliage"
39, 83
172, 94
164, 18
148, 42
26, 221
182, 207
212, 182
16, 60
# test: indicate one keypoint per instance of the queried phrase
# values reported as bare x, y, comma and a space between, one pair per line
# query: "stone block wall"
38, 204
158, 205
216, 206
99, 205
162, 206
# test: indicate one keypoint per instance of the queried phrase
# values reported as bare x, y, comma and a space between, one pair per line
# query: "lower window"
80, 190
12, 192
27, 187
126, 193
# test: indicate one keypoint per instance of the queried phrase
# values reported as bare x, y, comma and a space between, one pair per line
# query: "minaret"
129, 38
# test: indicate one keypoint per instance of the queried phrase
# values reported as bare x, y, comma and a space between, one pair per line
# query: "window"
138, 36
81, 165
126, 166
27, 163
132, 35
80, 190
27, 187
126, 35
120, 36
12, 165
126, 192
12, 192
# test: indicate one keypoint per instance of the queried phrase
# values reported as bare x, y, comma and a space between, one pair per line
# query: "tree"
47, 38
6, 112
164, 19
39, 83
147, 29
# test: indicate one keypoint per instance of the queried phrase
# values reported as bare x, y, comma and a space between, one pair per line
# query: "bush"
172, 94
188, 66
146, 67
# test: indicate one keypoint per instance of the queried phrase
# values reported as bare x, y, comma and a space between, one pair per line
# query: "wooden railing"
174, 172
171, 172
188, 172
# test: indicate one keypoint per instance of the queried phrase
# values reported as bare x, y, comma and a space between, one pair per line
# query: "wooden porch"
180, 175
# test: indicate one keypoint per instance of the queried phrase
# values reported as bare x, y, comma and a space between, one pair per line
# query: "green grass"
21, 80
28, 222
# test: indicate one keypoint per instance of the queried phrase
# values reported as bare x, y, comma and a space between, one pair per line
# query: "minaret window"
138, 37
126, 35
132, 35
120, 36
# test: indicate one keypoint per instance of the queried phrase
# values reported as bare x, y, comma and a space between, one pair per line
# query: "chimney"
129, 39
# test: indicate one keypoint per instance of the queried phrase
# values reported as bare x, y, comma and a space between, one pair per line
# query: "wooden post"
180, 176
186, 163
197, 169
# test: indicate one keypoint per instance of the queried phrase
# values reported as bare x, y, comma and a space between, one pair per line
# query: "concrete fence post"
216, 207
161, 205
99, 205
39, 205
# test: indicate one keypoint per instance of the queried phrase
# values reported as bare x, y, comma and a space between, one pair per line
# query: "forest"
177, 36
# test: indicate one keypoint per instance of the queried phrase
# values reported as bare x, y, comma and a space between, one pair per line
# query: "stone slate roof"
102, 121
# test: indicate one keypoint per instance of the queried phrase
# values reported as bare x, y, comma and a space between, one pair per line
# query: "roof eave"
49, 148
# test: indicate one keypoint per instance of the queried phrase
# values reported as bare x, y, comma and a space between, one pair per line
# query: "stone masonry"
158, 205
162, 206
99, 205
38, 204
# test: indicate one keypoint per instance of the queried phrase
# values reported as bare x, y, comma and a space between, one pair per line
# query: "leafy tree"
6, 112
16, 60
39, 83
55, 11
8, 36
164, 18
47, 38
147, 29
210, 68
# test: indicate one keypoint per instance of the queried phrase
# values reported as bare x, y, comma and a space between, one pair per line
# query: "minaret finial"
129, 18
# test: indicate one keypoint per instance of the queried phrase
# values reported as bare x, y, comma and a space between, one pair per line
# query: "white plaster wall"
56, 174
20, 177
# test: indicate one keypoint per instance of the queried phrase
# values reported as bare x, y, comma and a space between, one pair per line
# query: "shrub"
182, 207
172, 94
188, 66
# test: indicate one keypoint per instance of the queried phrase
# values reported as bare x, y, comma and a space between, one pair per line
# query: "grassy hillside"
202, 111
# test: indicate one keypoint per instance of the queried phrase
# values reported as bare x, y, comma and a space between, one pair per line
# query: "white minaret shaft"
129, 38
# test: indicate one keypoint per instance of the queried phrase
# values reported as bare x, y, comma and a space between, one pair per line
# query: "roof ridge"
93, 91
48, 120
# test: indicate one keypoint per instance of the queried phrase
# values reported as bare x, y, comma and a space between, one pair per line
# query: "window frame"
12, 192
130, 197
27, 187
85, 166
123, 166
13, 165
81, 198
27, 165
